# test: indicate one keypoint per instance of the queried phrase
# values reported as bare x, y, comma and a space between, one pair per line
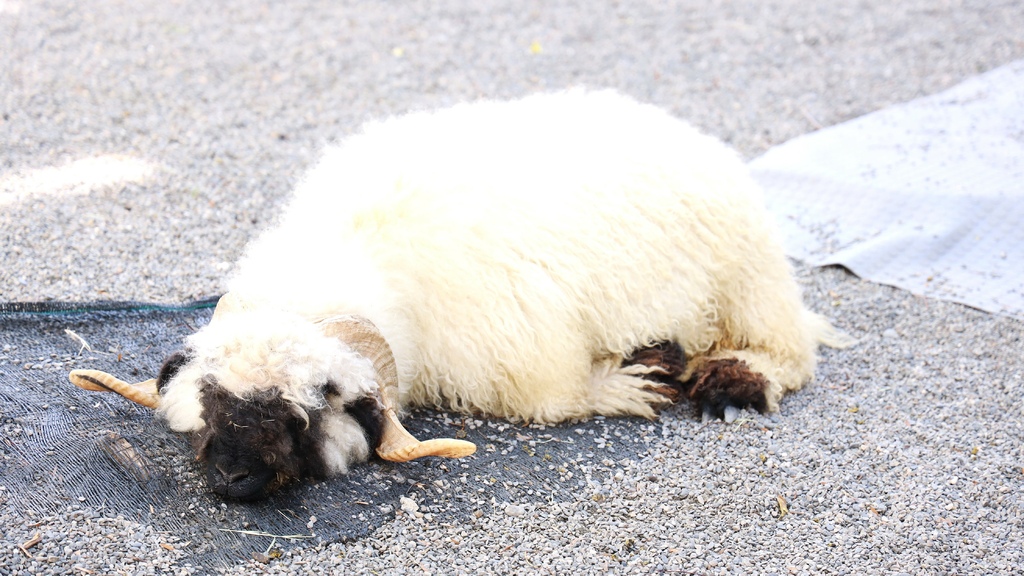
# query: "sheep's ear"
368, 413
171, 368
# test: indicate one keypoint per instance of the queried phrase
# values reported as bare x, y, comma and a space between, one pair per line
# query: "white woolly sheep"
556, 257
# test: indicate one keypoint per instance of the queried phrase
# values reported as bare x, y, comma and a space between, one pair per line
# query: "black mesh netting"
62, 445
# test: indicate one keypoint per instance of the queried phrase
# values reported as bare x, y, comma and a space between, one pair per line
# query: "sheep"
552, 258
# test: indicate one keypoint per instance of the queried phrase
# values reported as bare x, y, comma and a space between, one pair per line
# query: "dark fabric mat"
63, 447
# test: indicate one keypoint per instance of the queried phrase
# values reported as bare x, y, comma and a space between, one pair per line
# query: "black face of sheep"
252, 447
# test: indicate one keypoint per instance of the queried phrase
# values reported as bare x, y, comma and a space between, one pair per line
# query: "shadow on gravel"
63, 448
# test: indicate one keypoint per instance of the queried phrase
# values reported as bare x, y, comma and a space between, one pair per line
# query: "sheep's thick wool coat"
513, 254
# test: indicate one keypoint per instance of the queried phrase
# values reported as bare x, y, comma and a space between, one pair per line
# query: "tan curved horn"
144, 393
397, 444
227, 304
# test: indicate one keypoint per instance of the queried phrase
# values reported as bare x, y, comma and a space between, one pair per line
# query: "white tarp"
927, 196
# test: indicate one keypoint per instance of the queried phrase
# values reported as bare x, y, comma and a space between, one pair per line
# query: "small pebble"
409, 505
515, 510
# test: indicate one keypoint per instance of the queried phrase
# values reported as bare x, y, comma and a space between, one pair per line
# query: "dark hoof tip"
727, 411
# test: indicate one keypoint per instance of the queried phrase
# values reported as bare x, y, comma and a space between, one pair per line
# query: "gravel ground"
906, 455
228, 103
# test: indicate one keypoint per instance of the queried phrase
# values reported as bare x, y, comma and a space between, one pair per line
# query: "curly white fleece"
513, 253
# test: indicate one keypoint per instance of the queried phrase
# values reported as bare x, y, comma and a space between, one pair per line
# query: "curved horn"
143, 393
397, 444
227, 304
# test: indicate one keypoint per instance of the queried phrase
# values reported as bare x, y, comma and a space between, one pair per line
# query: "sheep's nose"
241, 480
232, 476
